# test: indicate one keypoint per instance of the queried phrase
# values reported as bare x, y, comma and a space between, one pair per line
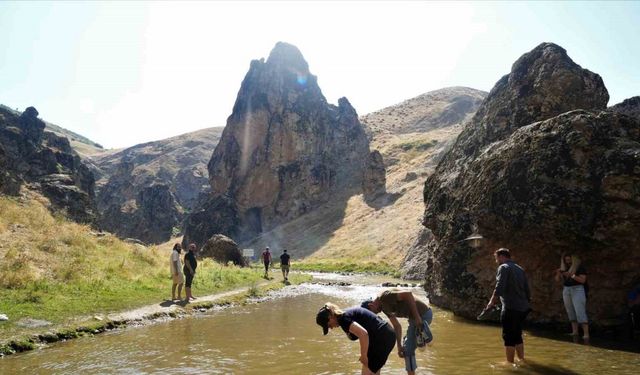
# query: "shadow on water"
542, 369
627, 345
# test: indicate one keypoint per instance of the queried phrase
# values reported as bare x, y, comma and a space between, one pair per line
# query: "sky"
123, 73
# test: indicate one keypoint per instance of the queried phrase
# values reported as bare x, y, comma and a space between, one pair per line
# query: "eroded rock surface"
284, 151
44, 162
541, 169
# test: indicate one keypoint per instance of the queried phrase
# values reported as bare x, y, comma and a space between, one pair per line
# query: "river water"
280, 336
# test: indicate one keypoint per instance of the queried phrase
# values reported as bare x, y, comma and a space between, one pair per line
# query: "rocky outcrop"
144, 190
222, 249
541, 169
374, 184
629, 107
284, 151
44, 162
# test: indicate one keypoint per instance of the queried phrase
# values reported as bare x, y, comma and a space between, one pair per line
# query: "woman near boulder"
574, 294
377, 338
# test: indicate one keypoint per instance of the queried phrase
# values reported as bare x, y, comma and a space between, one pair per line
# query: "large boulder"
285, 150
541, 169
222, 249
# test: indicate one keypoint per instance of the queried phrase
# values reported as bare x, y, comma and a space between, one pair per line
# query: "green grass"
350, 266
56, 270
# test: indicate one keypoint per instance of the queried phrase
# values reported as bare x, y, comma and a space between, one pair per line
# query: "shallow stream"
279, 336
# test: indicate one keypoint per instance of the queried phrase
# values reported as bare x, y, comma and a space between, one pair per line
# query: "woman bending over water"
377, 338
574, 278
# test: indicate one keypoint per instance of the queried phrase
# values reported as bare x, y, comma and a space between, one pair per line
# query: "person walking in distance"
512, 288
266, 259
397, 303
190, 265
176, 272
284, 265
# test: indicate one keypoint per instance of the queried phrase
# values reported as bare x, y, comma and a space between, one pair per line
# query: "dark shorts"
266, 266
512, 322
189, 277
380, 346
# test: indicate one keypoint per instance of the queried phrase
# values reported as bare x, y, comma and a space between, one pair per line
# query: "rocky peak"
542, 83
629, 107
287, 56
285, 150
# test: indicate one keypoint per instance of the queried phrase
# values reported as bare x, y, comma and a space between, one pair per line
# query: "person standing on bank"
176, 273
376, 336
190, 265
284, 265
513, 289
396, 303
266, 259
574, 293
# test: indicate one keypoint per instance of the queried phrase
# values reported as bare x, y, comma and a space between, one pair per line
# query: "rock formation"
144, 190
45, 162
222, 249
541, 169
629, 107
284, 151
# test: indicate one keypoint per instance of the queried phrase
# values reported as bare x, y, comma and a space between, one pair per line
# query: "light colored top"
175, 257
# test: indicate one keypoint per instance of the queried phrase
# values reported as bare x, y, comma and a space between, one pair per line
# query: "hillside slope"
143, 191
410, 136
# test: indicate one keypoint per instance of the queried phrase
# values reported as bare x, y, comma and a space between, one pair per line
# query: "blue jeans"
409, 341
575, 302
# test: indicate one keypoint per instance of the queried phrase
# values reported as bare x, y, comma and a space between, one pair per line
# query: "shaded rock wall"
568, 183
46, 163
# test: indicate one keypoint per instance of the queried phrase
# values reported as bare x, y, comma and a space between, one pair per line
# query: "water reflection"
279, 336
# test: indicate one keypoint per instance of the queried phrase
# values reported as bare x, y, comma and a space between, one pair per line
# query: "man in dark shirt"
190, 265
513, 289
284, 265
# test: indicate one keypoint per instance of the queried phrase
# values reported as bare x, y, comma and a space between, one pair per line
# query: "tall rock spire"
285, 150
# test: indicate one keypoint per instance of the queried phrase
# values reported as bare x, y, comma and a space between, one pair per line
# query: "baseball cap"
322, 319
365, 303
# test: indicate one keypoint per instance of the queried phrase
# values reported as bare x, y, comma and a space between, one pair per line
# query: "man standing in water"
284, 265
396, 303
513, 289
266, 259
176, 272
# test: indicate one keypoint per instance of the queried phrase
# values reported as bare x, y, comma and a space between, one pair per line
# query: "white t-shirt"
175, 257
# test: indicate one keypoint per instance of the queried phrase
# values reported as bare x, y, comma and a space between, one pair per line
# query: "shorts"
380, 346
178, 278
189, 277
512, 322
284, 267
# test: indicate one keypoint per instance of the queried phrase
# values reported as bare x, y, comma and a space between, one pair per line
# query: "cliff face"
45, 162
145, 190
541, 169
284, 151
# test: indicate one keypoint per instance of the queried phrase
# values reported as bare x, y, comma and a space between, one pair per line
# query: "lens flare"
302, 79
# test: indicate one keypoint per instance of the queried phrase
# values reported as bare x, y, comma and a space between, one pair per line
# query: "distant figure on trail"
513, 289
284, 265
190, 265
574, 293
266, 259
176, 272
397, 303
376, 336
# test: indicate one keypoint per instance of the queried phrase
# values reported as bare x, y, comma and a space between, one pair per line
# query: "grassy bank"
59, 271
346, 265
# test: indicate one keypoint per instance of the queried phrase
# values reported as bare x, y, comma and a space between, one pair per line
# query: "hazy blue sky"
123, 73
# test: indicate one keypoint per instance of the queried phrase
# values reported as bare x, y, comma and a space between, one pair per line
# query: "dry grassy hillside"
410, 136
